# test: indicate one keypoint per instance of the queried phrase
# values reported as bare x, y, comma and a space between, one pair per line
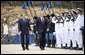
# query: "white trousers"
68, 38
78, 36
64, 37
58, 37
73, 38
58, 40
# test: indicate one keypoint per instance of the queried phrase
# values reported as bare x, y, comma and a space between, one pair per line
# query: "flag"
42, 7
58, 3
46, 6
22, 5
30, 3
49, 5
25, 3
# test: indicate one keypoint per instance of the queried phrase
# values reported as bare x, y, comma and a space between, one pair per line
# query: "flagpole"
34, 9
30, 10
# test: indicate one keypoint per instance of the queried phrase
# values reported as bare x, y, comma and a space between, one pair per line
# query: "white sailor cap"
73, 10
79, 9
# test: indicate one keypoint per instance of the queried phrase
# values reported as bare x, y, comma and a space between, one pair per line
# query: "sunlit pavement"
17, 49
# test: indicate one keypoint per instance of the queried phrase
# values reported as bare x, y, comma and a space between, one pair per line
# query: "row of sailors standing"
68, 31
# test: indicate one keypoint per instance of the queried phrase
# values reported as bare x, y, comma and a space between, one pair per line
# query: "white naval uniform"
82, 20
78, 33
58, 39
5, 29
58, 34
61, 27
72, 32
65, 33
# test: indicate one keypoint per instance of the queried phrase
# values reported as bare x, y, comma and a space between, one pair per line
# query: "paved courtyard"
16, 49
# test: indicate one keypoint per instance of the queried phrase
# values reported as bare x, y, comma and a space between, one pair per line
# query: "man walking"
41, 29
24, 28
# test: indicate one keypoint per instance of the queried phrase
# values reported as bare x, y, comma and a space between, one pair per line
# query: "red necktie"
42, 21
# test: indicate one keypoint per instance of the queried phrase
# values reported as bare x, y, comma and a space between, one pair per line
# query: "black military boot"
73, 48
79, 48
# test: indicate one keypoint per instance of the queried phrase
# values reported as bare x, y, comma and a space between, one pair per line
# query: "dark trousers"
37, 39
22, 40
53, 41
42, 40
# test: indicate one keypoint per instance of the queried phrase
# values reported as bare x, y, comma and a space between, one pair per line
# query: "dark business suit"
24, 27
41, 28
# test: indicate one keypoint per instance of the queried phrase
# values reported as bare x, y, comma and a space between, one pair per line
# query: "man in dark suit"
24, 27
41, 29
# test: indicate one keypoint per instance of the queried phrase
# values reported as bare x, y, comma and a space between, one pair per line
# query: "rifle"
34, 9
72, 16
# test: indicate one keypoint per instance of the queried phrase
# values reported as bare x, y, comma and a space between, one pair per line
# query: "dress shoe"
63, 47
23, 49
53, 46
68, 47
73, 48
27, 48
42, 49
79, 48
